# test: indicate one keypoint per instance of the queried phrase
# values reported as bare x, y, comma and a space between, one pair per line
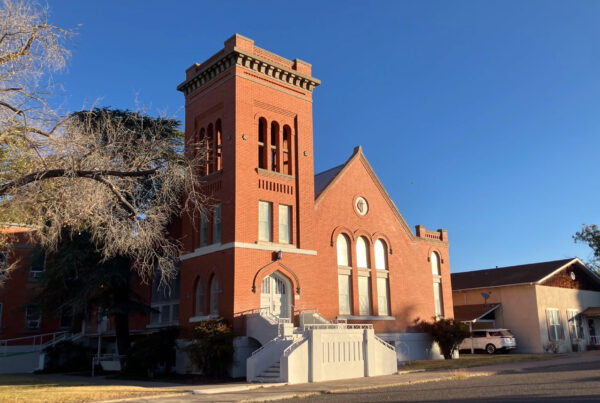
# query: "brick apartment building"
286, 254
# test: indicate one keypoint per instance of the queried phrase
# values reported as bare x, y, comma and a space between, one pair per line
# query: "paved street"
573, 382
574, 377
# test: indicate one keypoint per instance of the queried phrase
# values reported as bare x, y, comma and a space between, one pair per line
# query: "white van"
490, 340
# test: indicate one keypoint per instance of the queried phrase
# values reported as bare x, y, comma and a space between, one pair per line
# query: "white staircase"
317, 350
26, 354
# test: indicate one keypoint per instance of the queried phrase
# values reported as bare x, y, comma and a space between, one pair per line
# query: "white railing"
38, 341
293, 346
385, 343
272, 341
595, 340
340, 325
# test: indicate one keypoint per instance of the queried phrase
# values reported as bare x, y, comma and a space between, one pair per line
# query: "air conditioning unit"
35, 273
33, 324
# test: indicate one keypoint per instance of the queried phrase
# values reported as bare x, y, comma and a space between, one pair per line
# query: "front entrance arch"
275, 295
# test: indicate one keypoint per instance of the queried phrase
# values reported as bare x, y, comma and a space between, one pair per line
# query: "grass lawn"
25, 389
474, 360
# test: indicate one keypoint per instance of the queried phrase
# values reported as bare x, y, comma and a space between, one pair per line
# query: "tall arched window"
201, 146
287, 150
364, 286
381, 255
344, 279
343, 250
435, 264
199, 298
437, 284
274, 151
214, 296
362, 253
219, 147
381, 263
262, 139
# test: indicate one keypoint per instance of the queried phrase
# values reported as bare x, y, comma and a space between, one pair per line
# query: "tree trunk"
122, 332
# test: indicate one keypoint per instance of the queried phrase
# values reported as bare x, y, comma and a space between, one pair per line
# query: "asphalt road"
573, 383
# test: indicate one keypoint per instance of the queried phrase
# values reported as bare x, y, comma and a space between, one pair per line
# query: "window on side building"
217, 224
214, 296
199, 298
555, 330
33, 317
575, 324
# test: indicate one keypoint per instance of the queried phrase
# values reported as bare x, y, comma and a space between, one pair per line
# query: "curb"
240, 388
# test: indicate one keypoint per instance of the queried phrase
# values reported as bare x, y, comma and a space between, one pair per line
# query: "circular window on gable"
361, 206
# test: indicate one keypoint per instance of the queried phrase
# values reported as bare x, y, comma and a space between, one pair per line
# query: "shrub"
211, 348
66, 356
154, 350
447, 333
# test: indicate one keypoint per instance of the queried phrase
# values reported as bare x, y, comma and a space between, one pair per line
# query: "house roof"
501, 276
472, 313
592, 311
322, 179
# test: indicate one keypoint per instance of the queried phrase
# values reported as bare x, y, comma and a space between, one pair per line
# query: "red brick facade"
239, 89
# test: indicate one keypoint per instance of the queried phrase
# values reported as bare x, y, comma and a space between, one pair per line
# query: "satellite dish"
485, 296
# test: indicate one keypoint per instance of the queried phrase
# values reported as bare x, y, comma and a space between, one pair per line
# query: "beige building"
549, 306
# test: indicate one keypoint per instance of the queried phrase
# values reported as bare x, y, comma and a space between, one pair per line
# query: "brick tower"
254, 109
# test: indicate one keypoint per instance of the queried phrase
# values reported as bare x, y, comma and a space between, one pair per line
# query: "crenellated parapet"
439, 235
240, 51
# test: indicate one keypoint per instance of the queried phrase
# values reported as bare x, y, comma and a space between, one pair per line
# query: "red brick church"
281, 238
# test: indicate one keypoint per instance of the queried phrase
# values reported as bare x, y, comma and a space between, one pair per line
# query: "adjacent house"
549, 306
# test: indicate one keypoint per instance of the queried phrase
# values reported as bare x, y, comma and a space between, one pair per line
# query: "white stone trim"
274, 247
195, 319
365, 317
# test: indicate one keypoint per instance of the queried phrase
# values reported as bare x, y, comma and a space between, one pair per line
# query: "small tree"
590, 234
212, 347
447, 333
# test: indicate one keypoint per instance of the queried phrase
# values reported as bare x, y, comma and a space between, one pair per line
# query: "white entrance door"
274, 295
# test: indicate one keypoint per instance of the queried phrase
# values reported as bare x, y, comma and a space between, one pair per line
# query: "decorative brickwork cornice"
257, 64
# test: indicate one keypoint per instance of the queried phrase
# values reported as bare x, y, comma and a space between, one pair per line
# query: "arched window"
214, 296
210, 157
343, 250
362, 253
262, 139
200, 147
435, 264
437, 284
381, 259
219, 147
199, 299
344, 279
274, 152
287, 150
381, 263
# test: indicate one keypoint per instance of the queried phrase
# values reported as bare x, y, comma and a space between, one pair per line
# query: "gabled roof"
473, 313
512, 275
324, 180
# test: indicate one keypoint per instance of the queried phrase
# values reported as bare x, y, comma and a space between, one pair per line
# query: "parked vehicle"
490, 340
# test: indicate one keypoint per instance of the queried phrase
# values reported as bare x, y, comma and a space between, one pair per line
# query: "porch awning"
473, 313
591, 311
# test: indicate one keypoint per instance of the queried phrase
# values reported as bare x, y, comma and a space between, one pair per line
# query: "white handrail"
385, 343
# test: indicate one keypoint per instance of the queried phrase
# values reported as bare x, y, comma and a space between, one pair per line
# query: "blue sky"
478, 117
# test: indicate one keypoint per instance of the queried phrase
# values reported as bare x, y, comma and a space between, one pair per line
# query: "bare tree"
121, 176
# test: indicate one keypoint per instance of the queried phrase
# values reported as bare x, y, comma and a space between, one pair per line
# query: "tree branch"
57, 173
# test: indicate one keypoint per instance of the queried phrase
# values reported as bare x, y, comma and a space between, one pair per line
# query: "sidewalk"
250, 392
